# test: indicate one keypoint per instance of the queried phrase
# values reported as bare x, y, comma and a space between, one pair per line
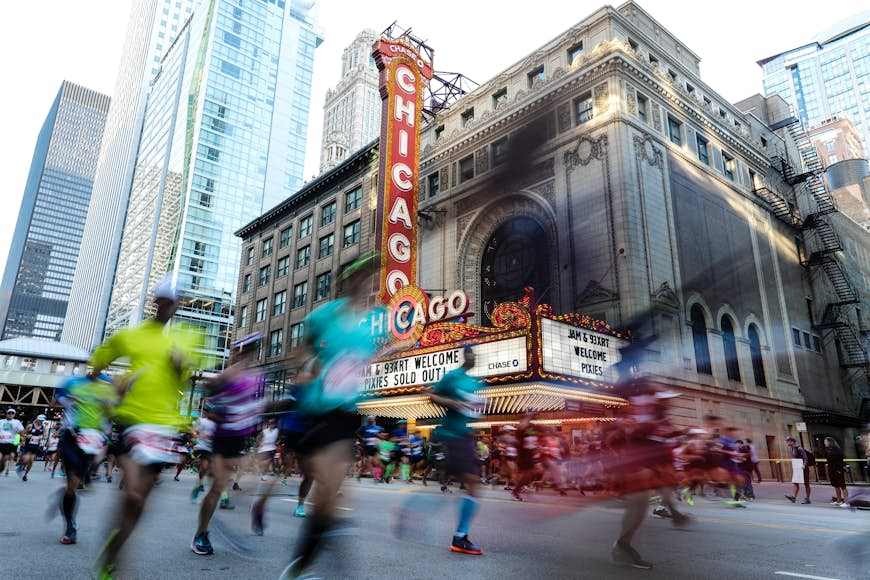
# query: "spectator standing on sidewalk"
753, 459
800, 470
836, 471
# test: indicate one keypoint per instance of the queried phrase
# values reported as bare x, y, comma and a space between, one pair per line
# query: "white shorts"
797, 471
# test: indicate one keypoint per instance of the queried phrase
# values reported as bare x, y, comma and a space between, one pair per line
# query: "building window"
690, 89
303, 257
499, 98
264, 275
499, 151
730, 344
832, 159
652, 59
703, 150
763, 142
352, 200
326, 245
583, 109
324, 281
699, 339
796, 336
729, 166
351, 234
327, 214
672, 74
28, 364
246, 283
817, 343
243, 316
707, 101
300, 294
722, 112
58, 366
434, 181
249, 258
675, 131
296, 331
467, 116
283, 267
535, 74
642, 105
276, 342
439, 130
260, 314
278, 302
757, 360
466, 169
574, 52
829, 145
286, 234
305, 226
267, 248
807, 340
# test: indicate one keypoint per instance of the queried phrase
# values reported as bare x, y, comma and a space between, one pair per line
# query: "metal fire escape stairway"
826, 246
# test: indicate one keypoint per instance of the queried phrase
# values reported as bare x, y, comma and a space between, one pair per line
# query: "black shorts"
415, 459
370, 451
115, 448
7, 448
32, 449
461, 457
74, 460
230, 447
201, 454
327, 429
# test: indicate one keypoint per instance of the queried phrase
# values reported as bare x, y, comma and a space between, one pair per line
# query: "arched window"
730, 344
757, 360
699, 337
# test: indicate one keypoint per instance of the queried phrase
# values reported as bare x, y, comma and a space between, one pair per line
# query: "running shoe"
52, 475
107, 572
464, 545
236, 486
108, 479
69, 537
201, 545
292, 572
662, 512
790, 498
24, 478
300, 511
806, 501
176, 478
197, 489
257, 520
225, 504
624, 555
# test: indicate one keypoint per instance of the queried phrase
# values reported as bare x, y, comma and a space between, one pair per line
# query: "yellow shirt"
153, 382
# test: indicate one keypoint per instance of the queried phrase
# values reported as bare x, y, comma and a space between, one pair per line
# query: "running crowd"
131, 422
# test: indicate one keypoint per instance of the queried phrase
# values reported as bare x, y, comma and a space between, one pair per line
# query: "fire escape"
822, 254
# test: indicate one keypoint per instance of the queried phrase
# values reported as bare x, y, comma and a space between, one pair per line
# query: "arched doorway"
515, 256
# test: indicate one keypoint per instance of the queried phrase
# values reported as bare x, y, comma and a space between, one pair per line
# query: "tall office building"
352, 110
827, 77
223, 139
39, 271
153, 27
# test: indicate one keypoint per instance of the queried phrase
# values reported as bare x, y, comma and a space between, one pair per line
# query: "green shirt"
152, 382
459, 386
87, 403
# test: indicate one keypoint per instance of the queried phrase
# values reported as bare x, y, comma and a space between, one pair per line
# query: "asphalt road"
543, 538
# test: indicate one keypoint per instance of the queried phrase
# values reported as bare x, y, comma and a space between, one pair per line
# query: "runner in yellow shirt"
161, 361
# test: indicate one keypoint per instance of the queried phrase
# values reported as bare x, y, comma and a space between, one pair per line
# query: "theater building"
596, 184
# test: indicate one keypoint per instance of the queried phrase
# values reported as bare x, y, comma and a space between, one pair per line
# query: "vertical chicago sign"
403, 75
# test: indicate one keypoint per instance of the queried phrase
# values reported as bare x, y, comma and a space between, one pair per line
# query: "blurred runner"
232, 397
87, 405
342, 347
204, 430
33, 434
51, 455
161, 360
370, 436
10, 428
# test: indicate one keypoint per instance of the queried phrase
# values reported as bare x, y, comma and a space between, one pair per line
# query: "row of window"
276, 339
352, 201
815, 345
303, 256
729, 342
279, 299
702, 145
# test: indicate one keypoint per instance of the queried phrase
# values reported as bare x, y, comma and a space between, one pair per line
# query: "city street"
545, 537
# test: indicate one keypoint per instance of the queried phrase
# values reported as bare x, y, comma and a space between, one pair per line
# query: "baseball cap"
790, 438
508, 428
165, 289
41, 417
10, 411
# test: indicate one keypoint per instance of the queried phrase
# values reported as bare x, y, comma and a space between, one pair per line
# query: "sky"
46, 42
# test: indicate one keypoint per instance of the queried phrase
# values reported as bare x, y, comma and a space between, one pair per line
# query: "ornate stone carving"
547, 190
444, 178
645, 150
656, 117
595, 292
462, 225
453, 173
541, 172
563, 116
559, 73
466, 204
481, 161
585, 151
600, 96
631, 97
665, 296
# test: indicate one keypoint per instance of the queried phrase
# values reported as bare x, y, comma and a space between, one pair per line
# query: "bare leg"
220, 471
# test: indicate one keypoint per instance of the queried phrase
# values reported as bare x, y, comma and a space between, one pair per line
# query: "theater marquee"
403, 76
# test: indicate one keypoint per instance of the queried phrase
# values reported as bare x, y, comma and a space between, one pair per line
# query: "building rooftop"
43, 349
834, 32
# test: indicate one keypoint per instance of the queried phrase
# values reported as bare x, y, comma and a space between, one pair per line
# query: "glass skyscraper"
827, 77
42, 259
152, 28
223, 140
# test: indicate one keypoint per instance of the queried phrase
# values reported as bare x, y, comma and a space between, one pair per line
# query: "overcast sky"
48, 41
